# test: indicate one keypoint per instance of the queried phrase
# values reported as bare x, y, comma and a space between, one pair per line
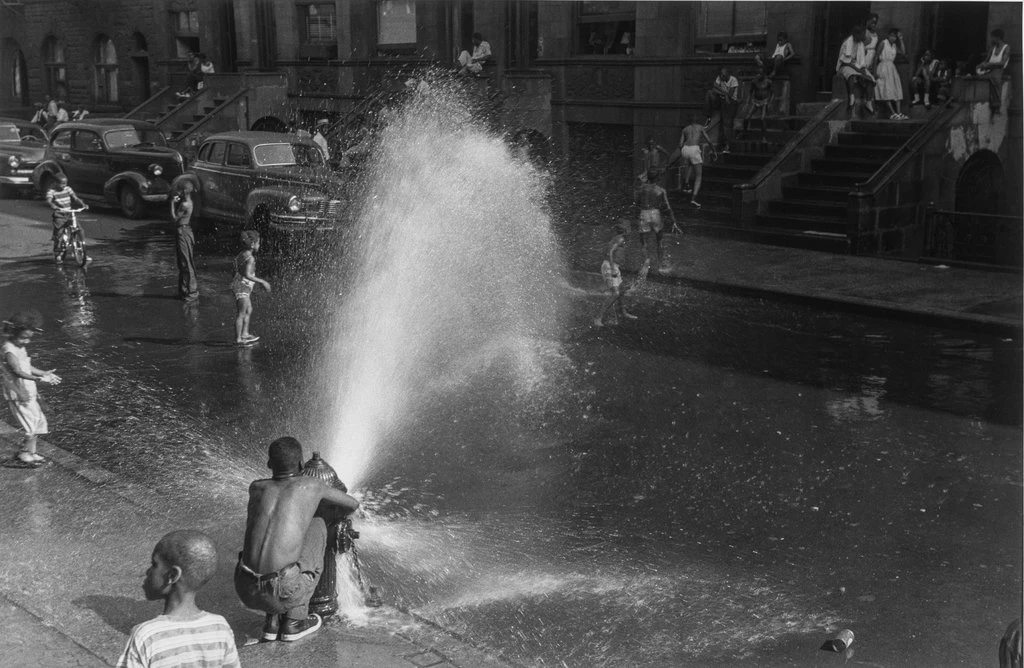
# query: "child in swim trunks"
242, 284
19, 383
612, 276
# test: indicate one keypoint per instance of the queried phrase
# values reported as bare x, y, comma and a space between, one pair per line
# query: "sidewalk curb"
936, 317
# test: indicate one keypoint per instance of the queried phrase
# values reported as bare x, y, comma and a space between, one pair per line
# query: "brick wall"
78, 24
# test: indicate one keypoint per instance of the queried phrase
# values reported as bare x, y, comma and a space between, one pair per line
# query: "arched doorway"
105, 70
140, 67
981, 231
269, 124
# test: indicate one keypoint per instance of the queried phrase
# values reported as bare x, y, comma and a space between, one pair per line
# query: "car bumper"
20, 177
300, 224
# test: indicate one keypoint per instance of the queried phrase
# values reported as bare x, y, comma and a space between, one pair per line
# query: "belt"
267, 577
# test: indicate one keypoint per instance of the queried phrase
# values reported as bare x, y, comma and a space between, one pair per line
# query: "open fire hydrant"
341, 538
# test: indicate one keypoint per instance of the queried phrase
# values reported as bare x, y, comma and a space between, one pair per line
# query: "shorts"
30, 416
241, 287
650, 221
692, 155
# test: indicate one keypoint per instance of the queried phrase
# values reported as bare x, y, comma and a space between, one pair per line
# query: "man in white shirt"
474, 64
724, 97
320, 139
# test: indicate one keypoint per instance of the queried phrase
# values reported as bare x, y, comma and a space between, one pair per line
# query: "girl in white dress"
889, 88
19, 378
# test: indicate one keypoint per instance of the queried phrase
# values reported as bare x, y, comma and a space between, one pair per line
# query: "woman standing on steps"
889, 88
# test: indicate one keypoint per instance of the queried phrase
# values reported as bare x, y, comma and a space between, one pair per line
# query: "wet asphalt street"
724, 482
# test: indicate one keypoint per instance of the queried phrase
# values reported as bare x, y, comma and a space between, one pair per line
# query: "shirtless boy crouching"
283, 555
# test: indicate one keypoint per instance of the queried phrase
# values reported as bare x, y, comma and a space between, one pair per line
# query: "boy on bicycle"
60, 200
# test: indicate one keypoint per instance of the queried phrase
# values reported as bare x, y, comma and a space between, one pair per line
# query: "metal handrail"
791, 146
883, 174
208, 117
1003, 216
152, 98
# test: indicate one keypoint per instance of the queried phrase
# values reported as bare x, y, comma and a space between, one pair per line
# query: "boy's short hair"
250, 238
284, 455
191, 551
783, 35
23, 321
998, 33
478, 36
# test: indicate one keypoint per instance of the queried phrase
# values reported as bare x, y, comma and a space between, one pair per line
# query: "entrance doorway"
833, 23
959, 32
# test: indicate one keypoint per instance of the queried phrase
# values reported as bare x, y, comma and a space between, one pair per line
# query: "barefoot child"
183, 561
19, 383
242, 285
612, 276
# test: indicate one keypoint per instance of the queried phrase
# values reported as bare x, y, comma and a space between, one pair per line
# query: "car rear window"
269, 155
122, 138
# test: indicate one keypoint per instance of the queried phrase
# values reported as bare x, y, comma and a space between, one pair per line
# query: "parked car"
22, 146
272, 182
109, 163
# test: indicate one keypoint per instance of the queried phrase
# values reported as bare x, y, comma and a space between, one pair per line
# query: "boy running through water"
612, 275
242, 284
61, 200
650, 197
689, 152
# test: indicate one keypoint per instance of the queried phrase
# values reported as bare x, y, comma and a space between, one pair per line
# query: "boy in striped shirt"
183, 636
60, 200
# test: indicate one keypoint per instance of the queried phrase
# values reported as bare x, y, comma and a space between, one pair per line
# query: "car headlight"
14, 161
293, 204
156, 169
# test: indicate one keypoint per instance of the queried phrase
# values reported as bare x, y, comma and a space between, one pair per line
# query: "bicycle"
70, 237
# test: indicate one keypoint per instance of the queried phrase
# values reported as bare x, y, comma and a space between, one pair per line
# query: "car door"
208, 168
238, 175
86, 166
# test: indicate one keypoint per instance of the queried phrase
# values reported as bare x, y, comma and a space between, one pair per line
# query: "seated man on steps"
283, 555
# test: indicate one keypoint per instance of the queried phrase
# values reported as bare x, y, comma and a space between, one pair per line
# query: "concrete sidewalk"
76, 541
980, 300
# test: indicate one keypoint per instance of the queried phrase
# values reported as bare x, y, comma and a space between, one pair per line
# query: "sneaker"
252, 338
629, 316
27, 458
726, 150
293, 630
694, 203
915, 102
271, 628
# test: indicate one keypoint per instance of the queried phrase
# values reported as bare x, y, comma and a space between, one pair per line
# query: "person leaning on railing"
993, 68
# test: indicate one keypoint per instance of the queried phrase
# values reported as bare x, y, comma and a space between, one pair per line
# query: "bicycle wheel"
78, 248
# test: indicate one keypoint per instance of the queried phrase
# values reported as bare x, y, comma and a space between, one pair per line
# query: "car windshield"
121, 138
270, 155
9, 132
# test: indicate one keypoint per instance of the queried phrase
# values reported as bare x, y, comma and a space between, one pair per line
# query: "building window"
53, 67
318, 23
19, 78
396, 23
106, 70
605, 28
186, 32
731, 27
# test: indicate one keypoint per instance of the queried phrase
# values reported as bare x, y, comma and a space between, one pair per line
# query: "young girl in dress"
19, 383
888, 87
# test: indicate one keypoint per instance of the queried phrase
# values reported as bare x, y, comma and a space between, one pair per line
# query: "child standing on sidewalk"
19, 383
182, 562
242, 285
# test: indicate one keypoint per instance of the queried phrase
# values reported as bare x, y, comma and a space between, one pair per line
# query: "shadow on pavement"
120, 612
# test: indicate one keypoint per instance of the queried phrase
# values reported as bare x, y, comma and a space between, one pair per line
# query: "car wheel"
132, 204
